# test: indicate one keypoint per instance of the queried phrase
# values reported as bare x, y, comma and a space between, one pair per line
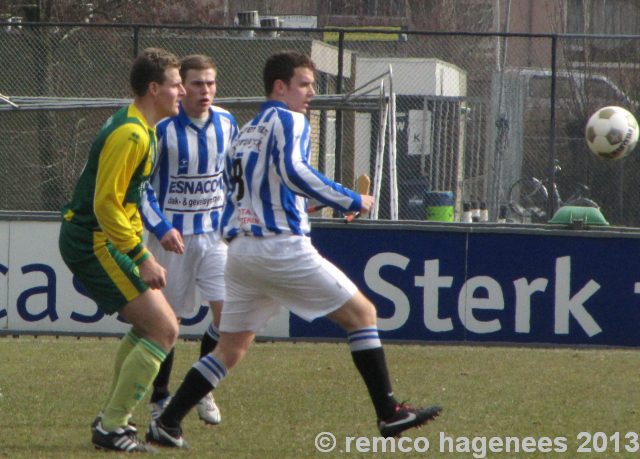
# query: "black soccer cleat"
120, 439
130, 428
165, 436
406, 417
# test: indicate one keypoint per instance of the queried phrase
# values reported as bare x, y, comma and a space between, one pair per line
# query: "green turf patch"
283, 395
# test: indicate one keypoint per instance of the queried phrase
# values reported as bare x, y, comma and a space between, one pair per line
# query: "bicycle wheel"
528, 198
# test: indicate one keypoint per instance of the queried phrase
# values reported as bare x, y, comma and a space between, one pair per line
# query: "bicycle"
529, 197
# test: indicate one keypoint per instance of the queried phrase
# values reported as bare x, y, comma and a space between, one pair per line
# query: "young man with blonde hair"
182, 212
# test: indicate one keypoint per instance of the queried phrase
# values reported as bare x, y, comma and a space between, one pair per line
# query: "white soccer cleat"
208, 411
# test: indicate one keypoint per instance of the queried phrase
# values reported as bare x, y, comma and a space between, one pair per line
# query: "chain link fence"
473, 112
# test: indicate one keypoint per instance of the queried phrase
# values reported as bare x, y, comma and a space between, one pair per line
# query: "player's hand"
152, 273
368, 202
172, 241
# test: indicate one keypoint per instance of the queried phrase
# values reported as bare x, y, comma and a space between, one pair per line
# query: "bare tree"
210, 12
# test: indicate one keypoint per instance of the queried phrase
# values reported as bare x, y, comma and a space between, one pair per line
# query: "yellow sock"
127, 344
136, 376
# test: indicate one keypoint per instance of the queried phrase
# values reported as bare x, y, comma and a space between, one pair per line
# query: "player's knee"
357, 313
166, 334
367, 315
364, 309
173, 332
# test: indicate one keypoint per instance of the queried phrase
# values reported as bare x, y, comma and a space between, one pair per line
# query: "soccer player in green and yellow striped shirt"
101, 242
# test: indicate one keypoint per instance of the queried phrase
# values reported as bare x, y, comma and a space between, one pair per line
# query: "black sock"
373, 367
207, 344
161, 383
193, 388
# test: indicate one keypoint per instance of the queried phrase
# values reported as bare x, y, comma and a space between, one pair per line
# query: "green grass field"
284, 394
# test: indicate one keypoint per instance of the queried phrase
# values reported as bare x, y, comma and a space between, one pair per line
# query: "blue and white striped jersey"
269, 178
186, 190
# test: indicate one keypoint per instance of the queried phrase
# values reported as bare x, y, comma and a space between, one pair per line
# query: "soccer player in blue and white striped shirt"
182, 211
271, 261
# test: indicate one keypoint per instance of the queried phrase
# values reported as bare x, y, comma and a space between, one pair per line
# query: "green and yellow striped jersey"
110, 187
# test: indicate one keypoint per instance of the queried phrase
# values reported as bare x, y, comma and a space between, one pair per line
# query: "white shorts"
201, 265
263, 274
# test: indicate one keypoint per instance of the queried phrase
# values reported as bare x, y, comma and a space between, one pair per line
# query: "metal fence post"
551, 205
339, 119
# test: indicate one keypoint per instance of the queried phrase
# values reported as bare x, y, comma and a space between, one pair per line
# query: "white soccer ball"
612, 132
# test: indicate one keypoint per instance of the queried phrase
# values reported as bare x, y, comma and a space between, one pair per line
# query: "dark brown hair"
149, 67
282, 65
